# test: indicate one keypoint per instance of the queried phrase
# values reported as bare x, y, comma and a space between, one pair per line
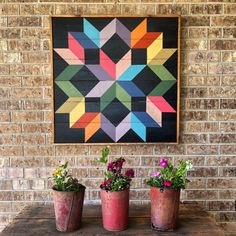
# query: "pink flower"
155, 173
163, 162
129, 173
167, 183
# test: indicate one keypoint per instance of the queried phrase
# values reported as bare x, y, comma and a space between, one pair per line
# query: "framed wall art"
115, 78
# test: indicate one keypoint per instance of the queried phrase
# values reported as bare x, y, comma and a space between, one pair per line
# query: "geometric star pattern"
101, 66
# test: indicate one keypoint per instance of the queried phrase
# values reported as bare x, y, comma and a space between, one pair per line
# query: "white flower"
189, 165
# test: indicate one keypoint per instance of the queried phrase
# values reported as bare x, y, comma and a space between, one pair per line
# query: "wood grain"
39, 221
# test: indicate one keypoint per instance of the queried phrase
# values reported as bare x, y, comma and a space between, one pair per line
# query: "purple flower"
119, 163
163, 162
129, 173
111, 166
155, 173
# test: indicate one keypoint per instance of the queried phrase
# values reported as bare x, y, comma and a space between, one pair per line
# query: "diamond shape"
115, 112
91, 56
146, 80
84, 80
115, 48
139, 56
92, 104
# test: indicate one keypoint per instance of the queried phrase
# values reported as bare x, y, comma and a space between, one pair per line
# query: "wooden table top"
39, 221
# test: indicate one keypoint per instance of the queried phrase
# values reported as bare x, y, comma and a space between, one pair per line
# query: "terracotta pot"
164, 208
68, 207
115, 209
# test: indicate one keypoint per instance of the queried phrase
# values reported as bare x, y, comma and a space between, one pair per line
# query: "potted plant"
165, 193
68, 198
115, 193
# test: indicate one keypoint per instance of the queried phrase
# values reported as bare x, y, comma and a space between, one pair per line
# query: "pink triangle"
107, 64
75, 47
161, 103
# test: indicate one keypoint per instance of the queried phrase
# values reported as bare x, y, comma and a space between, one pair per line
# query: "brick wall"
208, 115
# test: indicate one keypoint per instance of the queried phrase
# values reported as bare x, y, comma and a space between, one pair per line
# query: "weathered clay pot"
164, 208
68, 208
115, 209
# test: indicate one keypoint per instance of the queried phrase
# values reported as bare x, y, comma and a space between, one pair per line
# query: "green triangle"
161, 72
107, 97
68, 88
69, 72
162, 88
123, 96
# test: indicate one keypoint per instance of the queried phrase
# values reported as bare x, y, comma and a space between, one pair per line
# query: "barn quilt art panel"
115, 79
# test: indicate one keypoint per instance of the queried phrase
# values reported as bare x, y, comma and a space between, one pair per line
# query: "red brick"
26, 162
227, 194
220, 205
5, 185
206, 9
202, 149
227, 171
37, 128
203, 81
137, 8
5, 206
196, 160
164, 149
71, 150
38, 151
10, 33
223, 21
203, 172
222, 115
21, 116
201, 194
137, 150
97, 150
139, 194
23, 21
195, 21
221, 183
181, 9
196, 183
194, 115
11, 151
227, 127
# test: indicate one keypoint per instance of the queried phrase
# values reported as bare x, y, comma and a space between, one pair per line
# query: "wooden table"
39, 221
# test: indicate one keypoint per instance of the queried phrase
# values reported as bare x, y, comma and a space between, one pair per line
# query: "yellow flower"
57, 171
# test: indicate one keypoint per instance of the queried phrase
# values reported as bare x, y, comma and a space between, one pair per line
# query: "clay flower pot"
164, 208
115, 209
68, 208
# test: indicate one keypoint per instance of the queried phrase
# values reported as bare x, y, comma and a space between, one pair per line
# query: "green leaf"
105, 153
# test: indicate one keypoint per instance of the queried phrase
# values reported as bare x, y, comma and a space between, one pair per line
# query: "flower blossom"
57, 172
155, 174
105, 182
119, 163
111, 166
163, 162
129, 173
189, 165
167, 183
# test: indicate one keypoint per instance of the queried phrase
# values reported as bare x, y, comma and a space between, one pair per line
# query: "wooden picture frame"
85, 64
